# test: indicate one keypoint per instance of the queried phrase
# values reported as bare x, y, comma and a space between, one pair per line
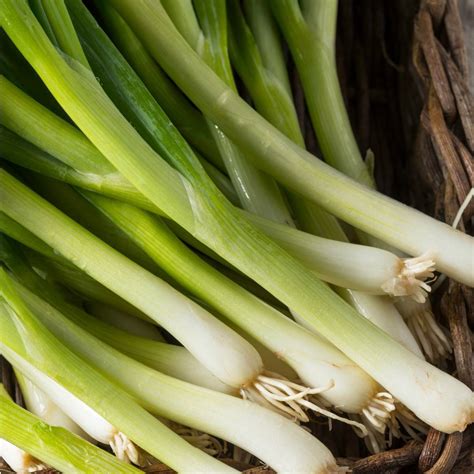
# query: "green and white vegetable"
192, 200
56, 446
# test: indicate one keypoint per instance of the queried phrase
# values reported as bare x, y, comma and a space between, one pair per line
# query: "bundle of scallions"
175, 272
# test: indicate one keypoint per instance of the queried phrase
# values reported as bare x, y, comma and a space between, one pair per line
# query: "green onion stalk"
310, 30
48, 363
21, 430
82, 284
129, 324
203, 24
188, 196
15, 67
72, 204
339, 263
187, 119
269, 436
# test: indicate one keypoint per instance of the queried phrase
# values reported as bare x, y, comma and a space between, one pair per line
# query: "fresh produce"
174, 269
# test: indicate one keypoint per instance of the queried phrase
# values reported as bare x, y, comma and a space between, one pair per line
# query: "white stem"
359, 267
18, 460
383, 313
88, 419
40, 404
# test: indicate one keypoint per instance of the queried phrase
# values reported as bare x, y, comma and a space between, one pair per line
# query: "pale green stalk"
15, 67
222, 182
310, 31
124, 321
271, 151
76, 280
62, 28
219, 226
48, 355
203, 24
275, 440
54, 132
168, 359
55, 446
75, 206
57, 268
17, 232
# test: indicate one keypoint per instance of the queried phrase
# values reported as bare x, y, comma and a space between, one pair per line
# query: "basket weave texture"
403, 68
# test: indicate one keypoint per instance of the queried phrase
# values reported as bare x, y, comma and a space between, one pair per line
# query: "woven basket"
403, 70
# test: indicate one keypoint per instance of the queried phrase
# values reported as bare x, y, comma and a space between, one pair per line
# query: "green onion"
196, 204
307, 355
273, 439
48, 361
392, 222
54, 445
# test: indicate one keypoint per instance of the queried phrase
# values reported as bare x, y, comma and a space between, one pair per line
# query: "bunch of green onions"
173, 266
